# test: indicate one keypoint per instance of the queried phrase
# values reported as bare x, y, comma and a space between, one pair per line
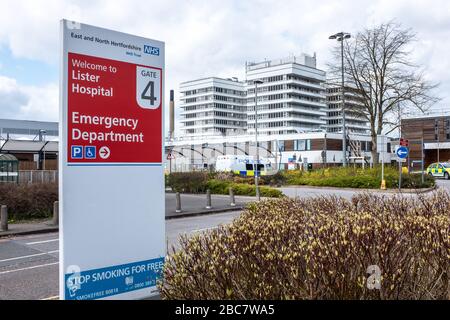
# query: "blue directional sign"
402, 152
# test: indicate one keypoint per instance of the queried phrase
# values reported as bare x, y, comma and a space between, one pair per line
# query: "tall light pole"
341, 36
256, 82
42, 138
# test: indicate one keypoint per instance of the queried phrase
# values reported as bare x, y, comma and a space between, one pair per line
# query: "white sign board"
382, 143
112, 214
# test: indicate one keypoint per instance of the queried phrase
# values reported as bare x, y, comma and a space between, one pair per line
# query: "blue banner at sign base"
109, 281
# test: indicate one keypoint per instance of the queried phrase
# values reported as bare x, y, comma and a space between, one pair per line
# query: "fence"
38, 176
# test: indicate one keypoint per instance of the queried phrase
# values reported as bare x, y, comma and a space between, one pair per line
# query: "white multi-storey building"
355, 114
212, 106
291, 98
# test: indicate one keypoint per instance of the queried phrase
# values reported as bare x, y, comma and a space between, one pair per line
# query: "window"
302, 145
447, 129
436, 129
249, 166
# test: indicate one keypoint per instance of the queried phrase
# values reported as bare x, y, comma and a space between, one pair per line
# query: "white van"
243, 165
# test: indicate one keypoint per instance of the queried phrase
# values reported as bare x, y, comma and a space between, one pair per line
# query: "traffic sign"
404, 142
382, 143
170, 156
402, 152
112, 226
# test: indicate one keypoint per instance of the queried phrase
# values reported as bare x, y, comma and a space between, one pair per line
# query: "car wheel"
430, 174
446, 176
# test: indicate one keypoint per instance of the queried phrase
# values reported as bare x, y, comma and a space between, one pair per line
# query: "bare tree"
377, 62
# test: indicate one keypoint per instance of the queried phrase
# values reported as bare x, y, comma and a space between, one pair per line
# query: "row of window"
215, 89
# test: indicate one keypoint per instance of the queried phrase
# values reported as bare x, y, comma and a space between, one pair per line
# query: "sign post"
382, 149
401, 152
112, 227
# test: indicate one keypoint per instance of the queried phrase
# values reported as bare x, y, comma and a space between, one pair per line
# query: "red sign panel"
114, 111
404, 142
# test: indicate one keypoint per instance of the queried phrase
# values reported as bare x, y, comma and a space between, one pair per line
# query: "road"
29, 264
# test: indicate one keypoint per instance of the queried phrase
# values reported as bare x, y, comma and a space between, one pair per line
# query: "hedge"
222, 187
28, 201
350, 177
199, 182
319, 248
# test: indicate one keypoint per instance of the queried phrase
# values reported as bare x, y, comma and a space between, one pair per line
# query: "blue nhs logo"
151, 50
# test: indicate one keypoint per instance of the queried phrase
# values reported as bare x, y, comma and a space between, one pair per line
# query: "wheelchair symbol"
90, 152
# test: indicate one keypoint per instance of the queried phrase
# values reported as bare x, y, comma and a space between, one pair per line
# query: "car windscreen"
446, 165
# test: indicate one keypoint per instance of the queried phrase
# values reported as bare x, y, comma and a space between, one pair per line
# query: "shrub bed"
29, 201
350, 177
218, 183
319, 249
190, 182
241, 189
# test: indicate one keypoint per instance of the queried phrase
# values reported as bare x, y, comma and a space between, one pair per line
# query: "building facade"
355, 116
33, 143
212, 106
285, 151
430, 133
291, 98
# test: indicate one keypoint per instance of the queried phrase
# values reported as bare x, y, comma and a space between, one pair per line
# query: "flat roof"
28, 127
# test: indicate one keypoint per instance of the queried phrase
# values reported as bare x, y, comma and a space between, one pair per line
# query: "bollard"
178, 201
55, 220
208, 199
232, 202
4, 218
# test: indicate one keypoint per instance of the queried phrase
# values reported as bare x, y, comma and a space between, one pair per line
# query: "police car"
440, 169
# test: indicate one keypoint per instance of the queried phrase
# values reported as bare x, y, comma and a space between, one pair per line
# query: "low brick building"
434, 132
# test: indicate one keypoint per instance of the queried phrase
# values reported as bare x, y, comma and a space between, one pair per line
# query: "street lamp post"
256, 82
42, 138
341, 36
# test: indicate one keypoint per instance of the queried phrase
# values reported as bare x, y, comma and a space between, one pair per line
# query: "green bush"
319, 249
28, 201
222, 187
350, 177
190, 182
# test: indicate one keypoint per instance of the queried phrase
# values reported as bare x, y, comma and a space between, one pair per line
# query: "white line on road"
204, 229
39, 242
51, 298
29, 268
29, 256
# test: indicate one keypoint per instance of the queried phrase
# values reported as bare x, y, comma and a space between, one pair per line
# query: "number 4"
150, 86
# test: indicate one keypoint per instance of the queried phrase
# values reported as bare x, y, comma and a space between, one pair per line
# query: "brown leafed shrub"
319, 249
28, 201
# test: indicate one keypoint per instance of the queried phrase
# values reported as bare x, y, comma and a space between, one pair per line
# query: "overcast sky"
203, 38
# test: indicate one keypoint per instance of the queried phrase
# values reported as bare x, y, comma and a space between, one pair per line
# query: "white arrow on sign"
104, 152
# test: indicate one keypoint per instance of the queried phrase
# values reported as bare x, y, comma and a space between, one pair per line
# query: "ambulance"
440, 169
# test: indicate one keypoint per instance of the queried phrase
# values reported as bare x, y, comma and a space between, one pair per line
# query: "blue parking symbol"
77, 152
90, 152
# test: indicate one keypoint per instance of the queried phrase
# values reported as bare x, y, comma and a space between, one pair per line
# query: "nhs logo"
151, 50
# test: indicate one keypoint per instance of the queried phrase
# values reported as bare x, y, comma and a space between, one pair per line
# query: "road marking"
204, 229
29, 268
51, 298
29, 256
39, 242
